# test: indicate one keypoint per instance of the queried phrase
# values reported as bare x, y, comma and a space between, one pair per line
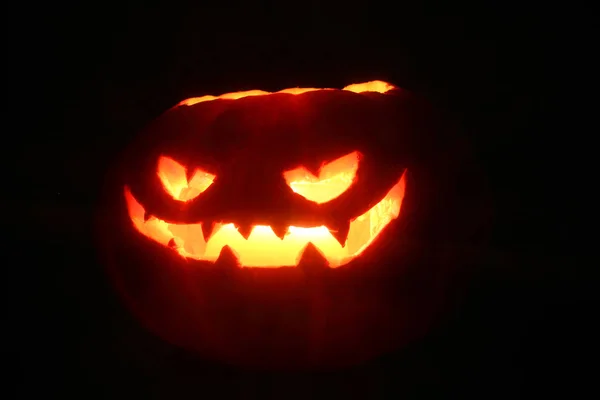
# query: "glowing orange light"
263, 248
174, 179
334, 179
373, 86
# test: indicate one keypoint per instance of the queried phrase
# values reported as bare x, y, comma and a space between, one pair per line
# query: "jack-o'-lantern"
274, 229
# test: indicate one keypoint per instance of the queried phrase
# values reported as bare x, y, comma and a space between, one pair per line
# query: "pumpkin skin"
315, 312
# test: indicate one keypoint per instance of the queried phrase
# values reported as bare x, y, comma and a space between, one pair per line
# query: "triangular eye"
173, 177
334, 178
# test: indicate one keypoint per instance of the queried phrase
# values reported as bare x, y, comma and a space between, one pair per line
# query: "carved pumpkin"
270, 228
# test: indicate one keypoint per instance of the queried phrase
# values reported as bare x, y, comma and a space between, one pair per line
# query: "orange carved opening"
263, 248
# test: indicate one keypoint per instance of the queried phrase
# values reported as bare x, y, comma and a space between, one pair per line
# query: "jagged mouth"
259, 246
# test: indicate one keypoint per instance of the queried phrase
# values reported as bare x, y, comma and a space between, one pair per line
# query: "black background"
83, 79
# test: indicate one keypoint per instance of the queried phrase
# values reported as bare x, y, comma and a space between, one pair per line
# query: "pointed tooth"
208, 229
227, 259
244, 230
280, 230
313, 168
172, 243
147, 215
340, 232
189, 174
311, 259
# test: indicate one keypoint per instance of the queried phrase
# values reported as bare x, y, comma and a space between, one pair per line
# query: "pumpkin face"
256, 245
270, 228
286, 204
